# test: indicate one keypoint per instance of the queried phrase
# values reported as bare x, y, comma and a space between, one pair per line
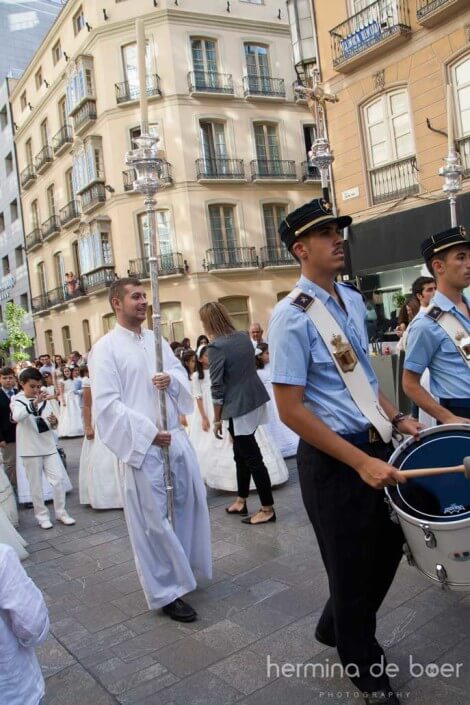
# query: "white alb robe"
126, 412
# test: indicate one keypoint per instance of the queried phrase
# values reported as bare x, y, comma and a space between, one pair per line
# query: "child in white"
37, 448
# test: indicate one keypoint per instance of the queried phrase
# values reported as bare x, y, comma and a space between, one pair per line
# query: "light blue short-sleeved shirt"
428, 345
298, 356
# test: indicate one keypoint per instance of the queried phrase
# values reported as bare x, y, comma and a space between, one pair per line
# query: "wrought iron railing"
276, 256
372, 25
69, 212
91, 196
394, 181
56, 297
220, 169
273, 169
126, 91
62, 137
230, 258
43, 157
210, 82
165, 175
463, 145
256, 85
28, 175
425, 7
99, 279
168, 264
33, 238
50, 226
85, 114
310, 172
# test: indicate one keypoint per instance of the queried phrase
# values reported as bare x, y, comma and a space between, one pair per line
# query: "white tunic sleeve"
128, 433
180, 387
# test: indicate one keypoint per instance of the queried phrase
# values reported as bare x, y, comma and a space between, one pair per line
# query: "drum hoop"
424, 434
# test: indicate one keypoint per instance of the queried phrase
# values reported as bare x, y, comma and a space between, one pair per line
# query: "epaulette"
303, 301
435, 313
353, 286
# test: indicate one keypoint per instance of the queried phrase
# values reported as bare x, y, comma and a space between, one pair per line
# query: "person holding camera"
37, 449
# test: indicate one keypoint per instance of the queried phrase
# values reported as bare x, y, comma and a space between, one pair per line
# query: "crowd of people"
226, 413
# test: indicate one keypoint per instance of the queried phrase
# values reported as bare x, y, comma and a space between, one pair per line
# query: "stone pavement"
269, 586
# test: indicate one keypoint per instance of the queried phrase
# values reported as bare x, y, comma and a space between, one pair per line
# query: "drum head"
444, 498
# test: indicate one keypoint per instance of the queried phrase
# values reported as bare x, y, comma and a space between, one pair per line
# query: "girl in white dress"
285, 439
98, 476
10, 536
70, 418
216, 455
52, 394
7, 497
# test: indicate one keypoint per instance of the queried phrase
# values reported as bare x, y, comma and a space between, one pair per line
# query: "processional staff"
453, 170
147, 162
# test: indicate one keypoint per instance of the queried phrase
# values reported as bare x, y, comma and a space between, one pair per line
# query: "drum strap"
454, 328
345, 359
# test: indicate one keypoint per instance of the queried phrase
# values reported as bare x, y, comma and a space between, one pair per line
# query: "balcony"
69, 214
273, 257
169, 265
264, 87
310, 172
373, 30
92, 197
463, 145
98, 280
50, 227
33, 239
84, 116
165, 174
210, 170
27, 176
127, 92
55, 298
61, 139
43, 159
433, 12
230, 259
273, 170
39, 303
209, 83
387, 183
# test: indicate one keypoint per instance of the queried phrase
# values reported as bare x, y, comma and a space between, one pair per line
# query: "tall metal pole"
453, 170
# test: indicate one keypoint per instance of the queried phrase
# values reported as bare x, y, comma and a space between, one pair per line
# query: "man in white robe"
126, 411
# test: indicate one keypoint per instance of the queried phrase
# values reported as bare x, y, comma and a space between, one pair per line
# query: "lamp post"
147, 162
453, 170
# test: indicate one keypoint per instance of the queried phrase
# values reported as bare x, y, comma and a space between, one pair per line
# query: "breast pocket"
324, 367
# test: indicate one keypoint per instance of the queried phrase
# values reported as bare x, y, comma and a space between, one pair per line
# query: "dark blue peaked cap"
308, 217
442, 241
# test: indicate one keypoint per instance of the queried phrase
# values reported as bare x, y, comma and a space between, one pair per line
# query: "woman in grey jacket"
239, 397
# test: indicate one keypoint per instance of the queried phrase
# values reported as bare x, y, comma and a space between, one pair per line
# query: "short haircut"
75, 352
30, 373
419, 284
6, 372
117, 289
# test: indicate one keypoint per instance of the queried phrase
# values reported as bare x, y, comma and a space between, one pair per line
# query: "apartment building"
235, 138
389, 63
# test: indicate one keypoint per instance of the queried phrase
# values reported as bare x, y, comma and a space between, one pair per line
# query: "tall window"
69, 184
237, 306
94, 249
223, 230
78, 21
14, 213
130, 68
80, 83
2, 222
214, 148
257, 67
38, 78
51, 200
44, 133
109, 321
5, 266
267, 148
29, 151
23, 100
42, 279
273, 214
87, 163
204, 57
388, 128
59, 269
172, 321
35, 214
24, 303
56, 52
19, 256
86, 334
49, 338
165, 236
66, 340
63, 111
462, 88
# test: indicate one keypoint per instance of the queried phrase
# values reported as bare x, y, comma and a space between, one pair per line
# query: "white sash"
356, 381
456, 331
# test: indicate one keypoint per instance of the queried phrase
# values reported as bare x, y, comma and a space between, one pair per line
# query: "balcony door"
51, 200
131, 70
257, 68
267, 149
42, 279
59, 269
224, 234
214, 148
273, 215
204, 55
35, 214
44, 133
164, 239
462, 88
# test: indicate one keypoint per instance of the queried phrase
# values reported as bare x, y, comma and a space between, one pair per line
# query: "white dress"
98, 476
70, 418
285, 439
11, 537
54, 403
7, 498
216, 456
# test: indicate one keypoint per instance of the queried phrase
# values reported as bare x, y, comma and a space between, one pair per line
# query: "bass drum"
434, 511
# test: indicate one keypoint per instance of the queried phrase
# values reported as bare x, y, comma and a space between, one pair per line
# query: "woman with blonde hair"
238, 396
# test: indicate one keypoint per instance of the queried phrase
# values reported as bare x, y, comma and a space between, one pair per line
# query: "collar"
445, 304
130, 333
309, 287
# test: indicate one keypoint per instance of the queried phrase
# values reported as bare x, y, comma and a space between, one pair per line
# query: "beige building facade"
389, 62
235, 140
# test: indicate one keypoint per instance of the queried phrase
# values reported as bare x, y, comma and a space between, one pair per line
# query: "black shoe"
180, 611
324, 638
381, 697
243, 511
260, 523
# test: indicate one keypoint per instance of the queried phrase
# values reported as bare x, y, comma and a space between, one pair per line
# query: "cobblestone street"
258, 614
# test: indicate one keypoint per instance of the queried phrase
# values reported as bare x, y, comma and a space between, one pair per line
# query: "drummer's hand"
163, 438
410, 427
161, 380
379, 474
457, 419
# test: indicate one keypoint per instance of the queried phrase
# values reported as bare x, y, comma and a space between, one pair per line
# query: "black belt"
370, 435
455, 403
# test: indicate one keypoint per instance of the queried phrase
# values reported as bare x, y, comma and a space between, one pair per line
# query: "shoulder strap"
454, 329
354, 377
350, 285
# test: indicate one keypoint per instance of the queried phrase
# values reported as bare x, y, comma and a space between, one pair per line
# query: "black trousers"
249, 463
361, 549
463, 411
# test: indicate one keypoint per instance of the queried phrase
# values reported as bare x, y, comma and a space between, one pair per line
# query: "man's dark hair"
175, 345
117, 289
419, 284
30, 373
75, 352
6, 372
